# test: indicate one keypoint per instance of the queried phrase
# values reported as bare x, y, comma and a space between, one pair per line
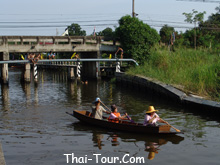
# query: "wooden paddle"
106, 106
177, 130
129, 118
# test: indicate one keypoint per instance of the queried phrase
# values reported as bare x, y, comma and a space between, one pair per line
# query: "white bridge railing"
69, 60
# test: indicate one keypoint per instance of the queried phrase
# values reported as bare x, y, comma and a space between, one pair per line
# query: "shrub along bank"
193, 71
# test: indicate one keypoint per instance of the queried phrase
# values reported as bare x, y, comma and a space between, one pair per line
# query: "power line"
206, 1
103, 23
24, 22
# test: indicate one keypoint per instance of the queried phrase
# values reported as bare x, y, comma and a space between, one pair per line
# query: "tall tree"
211, 27
194, 17
166, 33
108, 33
136, 38
75, 30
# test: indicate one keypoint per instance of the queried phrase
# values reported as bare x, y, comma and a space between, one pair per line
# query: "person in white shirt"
98, 110
151, 118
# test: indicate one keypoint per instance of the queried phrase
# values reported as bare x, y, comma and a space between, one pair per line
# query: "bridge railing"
58, 63
70, 60
26, 77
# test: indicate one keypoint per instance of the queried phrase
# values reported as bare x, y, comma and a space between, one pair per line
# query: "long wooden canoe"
86, 116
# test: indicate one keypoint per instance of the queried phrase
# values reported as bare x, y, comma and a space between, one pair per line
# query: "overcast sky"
51, 17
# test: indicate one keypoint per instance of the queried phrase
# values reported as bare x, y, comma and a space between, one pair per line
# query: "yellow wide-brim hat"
151, 109
151, 155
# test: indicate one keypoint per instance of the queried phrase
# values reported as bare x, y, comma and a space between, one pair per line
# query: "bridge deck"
19, 44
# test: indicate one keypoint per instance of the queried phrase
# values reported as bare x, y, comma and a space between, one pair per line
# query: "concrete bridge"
87, 46
67, 63
28, 44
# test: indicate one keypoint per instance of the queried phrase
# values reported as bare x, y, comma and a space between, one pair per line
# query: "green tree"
188, 38
108, 33
211, 28
194, 17
165, 34
218, 9
136, 38
75, 30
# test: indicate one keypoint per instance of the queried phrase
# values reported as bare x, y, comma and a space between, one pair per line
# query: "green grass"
193, 71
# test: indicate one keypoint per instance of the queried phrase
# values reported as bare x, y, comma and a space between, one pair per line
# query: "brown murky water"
36, 130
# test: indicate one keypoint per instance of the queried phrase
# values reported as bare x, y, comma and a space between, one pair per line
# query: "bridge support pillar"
71, 75
4, 67
5, 98
91, 69
78, 70
27, 73
35, 73
118, 68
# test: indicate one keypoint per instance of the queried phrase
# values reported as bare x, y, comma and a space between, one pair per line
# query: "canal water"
35, 129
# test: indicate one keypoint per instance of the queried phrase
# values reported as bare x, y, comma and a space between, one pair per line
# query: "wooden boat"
86, 116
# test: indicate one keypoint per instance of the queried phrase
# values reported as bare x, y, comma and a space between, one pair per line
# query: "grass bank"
193, 71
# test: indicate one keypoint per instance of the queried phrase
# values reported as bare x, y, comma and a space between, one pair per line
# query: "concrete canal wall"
169, 92
2, 159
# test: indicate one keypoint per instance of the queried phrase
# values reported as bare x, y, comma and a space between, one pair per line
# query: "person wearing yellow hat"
151, 118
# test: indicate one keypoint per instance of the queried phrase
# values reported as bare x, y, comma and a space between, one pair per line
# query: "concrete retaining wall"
169, 92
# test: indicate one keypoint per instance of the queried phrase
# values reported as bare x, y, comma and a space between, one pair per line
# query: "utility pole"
133, 13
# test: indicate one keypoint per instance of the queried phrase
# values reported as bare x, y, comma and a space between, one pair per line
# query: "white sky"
47, 17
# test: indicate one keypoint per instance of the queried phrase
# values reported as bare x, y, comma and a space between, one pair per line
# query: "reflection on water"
97, 139
152, 148
151, 142
5, 97
34, 128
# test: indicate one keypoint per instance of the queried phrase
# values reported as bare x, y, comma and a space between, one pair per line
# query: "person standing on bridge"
119, 49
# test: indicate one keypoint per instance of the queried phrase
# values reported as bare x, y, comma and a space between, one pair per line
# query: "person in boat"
98, 110
151, 118
115, 115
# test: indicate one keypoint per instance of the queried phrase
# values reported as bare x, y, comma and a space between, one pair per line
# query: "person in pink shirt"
151, 118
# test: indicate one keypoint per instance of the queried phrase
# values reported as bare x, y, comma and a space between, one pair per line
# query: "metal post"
98, 63
97, 70
78, 70
133, 13
35, 72
118, 66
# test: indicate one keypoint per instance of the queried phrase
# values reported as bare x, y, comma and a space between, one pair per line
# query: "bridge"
39, 44
89, 47
27, 67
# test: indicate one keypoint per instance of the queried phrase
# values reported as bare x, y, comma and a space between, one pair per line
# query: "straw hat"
151, 109
151, 155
